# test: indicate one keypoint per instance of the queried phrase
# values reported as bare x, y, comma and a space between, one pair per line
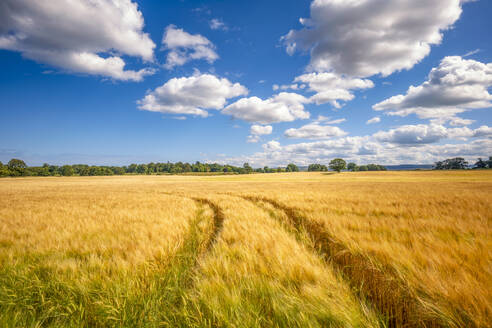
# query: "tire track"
178, 281
381, 287
218, 220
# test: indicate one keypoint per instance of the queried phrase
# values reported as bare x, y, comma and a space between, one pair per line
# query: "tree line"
17, 167
339, 164
459, 163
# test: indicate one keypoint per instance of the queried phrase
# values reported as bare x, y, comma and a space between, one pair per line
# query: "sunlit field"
355, 249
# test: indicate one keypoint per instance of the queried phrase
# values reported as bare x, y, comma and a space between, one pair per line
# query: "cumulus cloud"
453, 121
373, 120
331, 88
261, 129
192, 95
271, 146
315, 131
283, 107
363, 150
78, 36
456, 85
184, 47
425, 134
368, 37
217, 24
412, 134
257, 131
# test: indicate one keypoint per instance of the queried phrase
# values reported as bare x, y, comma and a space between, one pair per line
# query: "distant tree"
67, 170
141, 169
363, 168
248, 169
337, 164
4, 170
17, 167
85, 171
132, 168
352, 167
15, 164
481, 164
457, 163
317, 168
375, 167
118, 170
292, 168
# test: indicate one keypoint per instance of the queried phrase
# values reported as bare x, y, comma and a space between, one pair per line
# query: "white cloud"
425, 134
192, 95
78, 36
217, 24
483, 131
330, 87
367, 37
362, 150
272, 145
453, 121
457, 85
471, 53
315, 131
374, 120
283, 107
412, 134
261, 129
257, 131
327, 120
184, 47
253, 138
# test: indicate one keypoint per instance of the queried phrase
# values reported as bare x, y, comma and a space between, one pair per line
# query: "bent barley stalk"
176, 251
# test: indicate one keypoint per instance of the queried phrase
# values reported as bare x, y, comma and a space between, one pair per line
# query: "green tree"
141, 169
352, 167
457, 163
17, 167
248, 169
317, 168
118, 170
481, 164
4, 170
338, 164
15, 164
292, 168
67, 170
363, 168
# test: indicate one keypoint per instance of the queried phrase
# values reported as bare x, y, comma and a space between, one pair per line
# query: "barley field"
355, 249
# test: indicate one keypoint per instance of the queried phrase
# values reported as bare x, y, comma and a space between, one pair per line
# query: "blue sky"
245, 81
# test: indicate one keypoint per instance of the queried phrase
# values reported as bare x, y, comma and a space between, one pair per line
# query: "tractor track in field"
385, 292
183, 267
218, 221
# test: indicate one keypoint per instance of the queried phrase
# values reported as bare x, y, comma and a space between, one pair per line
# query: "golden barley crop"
362, 249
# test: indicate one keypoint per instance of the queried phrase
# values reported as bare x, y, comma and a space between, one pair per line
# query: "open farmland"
363, 249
